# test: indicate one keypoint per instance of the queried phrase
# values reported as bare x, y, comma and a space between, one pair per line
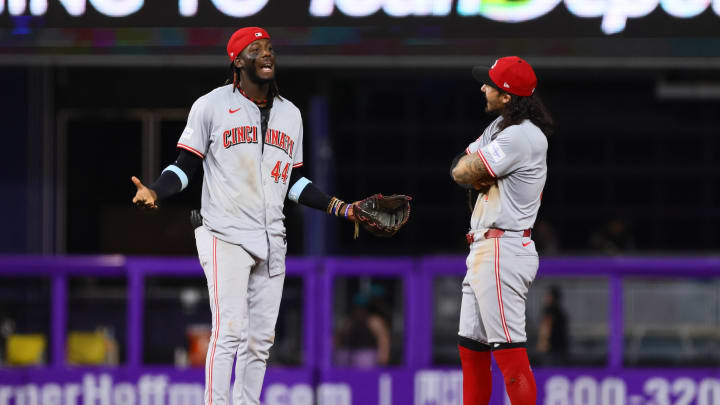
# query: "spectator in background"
613, 238
363, 339
7, 327
553, 339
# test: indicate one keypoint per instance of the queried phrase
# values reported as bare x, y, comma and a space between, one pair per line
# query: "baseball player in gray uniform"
507, 164
249, 141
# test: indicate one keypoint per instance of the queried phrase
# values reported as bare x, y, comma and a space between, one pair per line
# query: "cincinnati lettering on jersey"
238, 135
280, 140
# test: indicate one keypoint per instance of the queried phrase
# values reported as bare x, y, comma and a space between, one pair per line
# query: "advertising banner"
349, 386
547, 18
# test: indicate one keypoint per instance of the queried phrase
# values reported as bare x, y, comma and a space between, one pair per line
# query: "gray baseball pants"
244, 301
499, 274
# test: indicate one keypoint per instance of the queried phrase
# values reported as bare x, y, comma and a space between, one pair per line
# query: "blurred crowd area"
667, 322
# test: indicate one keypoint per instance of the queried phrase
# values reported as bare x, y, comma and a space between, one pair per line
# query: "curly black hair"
532, 108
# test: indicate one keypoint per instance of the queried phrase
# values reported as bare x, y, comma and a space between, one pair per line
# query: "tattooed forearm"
470, 170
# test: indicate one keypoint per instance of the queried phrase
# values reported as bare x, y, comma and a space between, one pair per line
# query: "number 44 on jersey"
275, 173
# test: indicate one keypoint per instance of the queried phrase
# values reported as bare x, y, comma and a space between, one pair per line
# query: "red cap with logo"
242, 38
510, 74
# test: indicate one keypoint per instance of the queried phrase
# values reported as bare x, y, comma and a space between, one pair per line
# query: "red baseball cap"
510, 74
242, 38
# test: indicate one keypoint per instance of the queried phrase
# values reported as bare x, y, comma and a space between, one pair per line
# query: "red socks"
515, 368
519, 379
477, 380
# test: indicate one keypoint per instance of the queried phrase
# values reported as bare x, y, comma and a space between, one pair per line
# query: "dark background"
619, 152
627, 155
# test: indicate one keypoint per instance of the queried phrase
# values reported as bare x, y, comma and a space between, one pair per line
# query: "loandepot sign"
614, 13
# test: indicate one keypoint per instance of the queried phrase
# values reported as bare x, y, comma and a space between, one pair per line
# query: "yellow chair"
86, 348
25, 349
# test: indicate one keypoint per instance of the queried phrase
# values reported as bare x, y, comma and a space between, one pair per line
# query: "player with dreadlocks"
250, 145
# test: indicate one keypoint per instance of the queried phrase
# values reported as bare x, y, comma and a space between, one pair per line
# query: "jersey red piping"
499, 290
487, 166
189, 149
296, 165
217, 318
467, 151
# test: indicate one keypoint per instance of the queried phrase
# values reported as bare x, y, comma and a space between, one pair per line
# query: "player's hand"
484, 186
144, 197
351, 212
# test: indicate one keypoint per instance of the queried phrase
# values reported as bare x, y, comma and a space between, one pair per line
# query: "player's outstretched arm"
171, 181
304, 192
470, 169
378, 214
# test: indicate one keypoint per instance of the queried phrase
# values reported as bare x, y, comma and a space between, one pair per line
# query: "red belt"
494, 233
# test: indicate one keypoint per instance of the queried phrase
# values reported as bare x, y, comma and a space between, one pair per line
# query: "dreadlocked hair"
531, 108
234, 78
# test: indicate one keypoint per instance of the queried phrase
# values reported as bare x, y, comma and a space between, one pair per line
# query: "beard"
253, 76
493, 110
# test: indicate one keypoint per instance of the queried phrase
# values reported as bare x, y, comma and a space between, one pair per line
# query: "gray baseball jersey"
501, 269
244, 187
241, 244
516, 157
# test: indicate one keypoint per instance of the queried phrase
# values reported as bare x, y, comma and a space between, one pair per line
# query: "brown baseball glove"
382, 215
